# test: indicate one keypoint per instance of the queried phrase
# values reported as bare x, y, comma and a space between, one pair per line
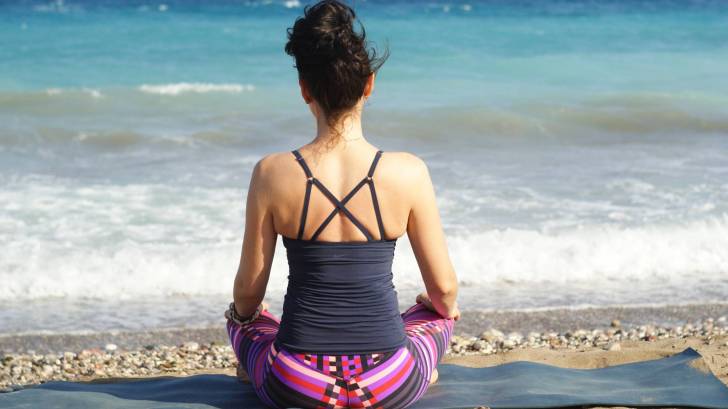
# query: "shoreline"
471, 323
482, 339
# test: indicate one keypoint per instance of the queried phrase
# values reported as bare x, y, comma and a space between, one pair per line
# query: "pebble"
614, 347
515, 337
616, 323
111, 347
47, 371
491, 335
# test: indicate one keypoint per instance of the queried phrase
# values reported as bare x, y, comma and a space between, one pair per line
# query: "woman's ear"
369, 87
304, 91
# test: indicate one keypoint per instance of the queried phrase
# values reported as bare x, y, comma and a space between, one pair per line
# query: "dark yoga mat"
672, 382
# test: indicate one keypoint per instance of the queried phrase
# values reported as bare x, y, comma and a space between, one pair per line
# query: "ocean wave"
609, 115
569, 120
78, 259
697, 249
57, 6
76, 100
49, 139
52, 92
194, 87
94, 93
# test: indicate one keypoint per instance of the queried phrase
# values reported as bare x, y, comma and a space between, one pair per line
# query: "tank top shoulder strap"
375, 201
307, 198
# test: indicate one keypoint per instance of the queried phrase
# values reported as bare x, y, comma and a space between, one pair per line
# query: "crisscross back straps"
340, 205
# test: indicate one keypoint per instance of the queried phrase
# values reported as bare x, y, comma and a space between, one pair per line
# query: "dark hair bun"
331, 57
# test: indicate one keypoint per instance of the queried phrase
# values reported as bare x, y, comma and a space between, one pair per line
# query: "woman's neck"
348, 129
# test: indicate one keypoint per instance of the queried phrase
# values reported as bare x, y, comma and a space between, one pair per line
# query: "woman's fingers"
423, 298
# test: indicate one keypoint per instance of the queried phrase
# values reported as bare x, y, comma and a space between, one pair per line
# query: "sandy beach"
203, 351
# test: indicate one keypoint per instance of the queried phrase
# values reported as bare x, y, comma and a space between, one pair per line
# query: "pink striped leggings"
394, 379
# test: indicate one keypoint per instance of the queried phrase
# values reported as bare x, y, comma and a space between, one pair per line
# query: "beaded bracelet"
233, 315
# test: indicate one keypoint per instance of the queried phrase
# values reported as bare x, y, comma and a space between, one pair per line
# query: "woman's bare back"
396, 177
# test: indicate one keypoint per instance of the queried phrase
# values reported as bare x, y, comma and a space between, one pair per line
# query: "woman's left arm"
259, 243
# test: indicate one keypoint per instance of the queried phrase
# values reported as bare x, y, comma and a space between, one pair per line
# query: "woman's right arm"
425, 233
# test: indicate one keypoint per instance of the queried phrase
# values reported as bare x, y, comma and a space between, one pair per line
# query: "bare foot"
433, 377
242, 375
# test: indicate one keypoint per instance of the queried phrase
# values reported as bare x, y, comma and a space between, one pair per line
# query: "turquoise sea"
579, 150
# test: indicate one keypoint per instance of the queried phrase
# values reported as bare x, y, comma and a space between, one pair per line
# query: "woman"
341, 341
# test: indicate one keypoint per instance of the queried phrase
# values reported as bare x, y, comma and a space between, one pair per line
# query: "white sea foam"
595, 252
92, 92
89, 241
95, 93
194, 87
57, 6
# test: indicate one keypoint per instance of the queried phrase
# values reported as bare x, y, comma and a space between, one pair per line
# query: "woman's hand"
425, 300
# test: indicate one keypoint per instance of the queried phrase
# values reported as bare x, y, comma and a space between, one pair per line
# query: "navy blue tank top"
340, 297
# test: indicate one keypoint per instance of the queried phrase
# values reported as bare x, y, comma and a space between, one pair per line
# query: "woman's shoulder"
404, 166
407, 159
273, 164
402, 176
268, 172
